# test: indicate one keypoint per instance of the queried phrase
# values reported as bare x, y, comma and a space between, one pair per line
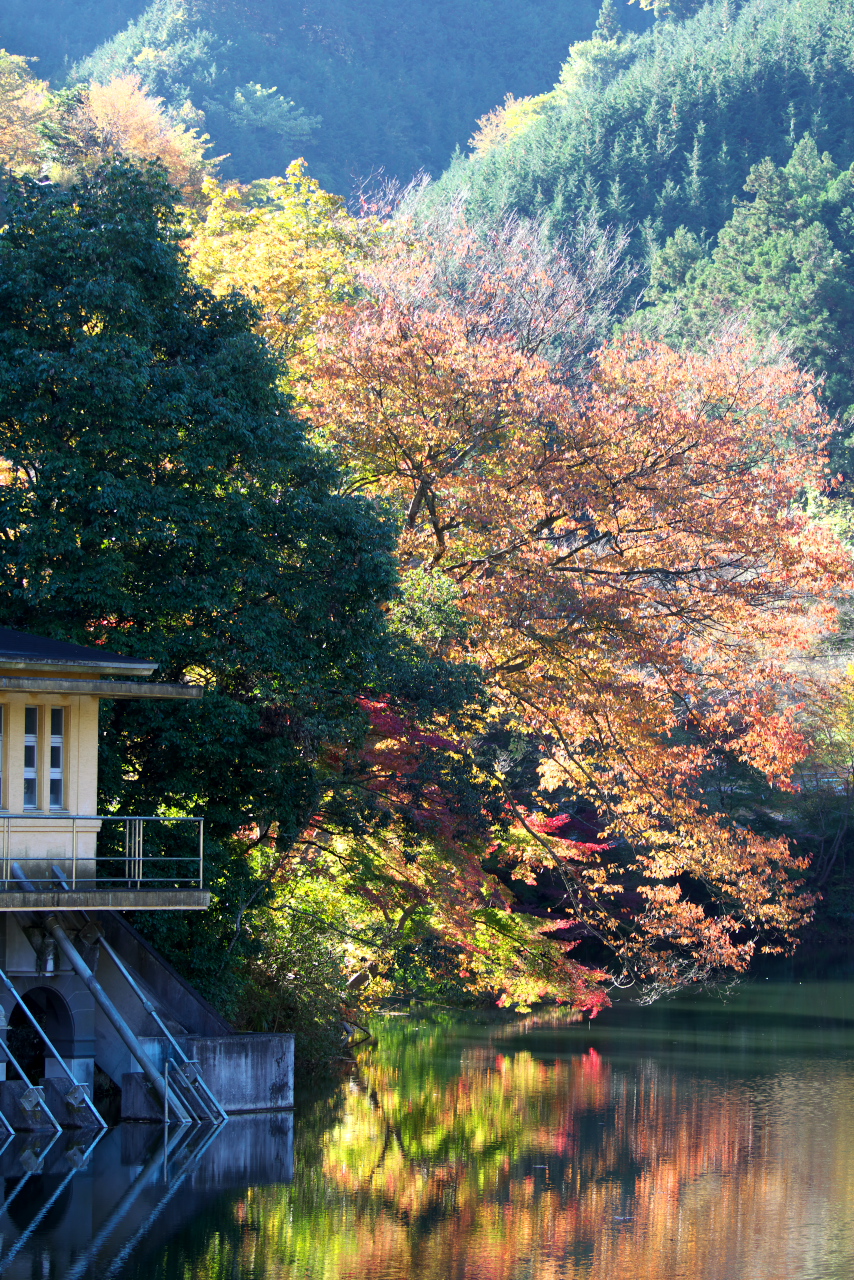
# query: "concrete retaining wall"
244, 1072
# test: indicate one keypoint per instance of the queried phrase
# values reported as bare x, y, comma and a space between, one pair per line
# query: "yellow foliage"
828, 716
287, 244
591, 64
510, 121
23, 107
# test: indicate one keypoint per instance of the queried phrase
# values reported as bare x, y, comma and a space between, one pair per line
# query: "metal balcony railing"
88, 852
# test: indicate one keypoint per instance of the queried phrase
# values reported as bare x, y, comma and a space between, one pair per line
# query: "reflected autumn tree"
455, 1155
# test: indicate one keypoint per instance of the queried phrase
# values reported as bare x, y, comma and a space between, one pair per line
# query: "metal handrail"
59, 815
189, 869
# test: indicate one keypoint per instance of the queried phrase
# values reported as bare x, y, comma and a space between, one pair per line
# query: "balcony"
68, 862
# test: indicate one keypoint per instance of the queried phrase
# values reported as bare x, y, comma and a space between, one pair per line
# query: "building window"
31, 757
57, 757
2, 743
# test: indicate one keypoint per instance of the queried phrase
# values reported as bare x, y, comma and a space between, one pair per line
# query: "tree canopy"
633, 568
660, 130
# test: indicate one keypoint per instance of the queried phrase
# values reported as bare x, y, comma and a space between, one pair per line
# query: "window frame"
32, 741
56, 774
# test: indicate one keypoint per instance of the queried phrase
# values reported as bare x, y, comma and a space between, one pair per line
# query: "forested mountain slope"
354, 86
663, 129
784, 263
60, 32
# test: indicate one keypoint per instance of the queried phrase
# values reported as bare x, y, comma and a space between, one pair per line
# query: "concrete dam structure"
80, 989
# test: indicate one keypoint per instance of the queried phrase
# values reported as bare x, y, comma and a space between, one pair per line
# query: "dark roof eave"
22, 651
96, 668
99, 688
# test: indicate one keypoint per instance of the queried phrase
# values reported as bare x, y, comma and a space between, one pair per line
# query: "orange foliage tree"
634, 564
104, 121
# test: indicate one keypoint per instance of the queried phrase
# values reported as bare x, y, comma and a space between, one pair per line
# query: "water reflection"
693, 1141
84, 1205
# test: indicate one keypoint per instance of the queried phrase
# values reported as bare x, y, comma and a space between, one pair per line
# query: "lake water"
699, 1139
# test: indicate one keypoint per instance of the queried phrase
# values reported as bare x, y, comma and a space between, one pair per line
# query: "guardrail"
130, 852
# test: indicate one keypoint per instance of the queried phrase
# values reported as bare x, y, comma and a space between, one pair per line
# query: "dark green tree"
159, 497
673, 10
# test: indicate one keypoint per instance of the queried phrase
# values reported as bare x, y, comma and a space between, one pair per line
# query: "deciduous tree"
286, 244
23, 107
635, 569
97, 123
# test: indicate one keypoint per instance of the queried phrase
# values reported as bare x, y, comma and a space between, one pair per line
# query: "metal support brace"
188, 1072
192, 1158
35, 1092
82, 1095
37, 1220
29, 1174
54, 926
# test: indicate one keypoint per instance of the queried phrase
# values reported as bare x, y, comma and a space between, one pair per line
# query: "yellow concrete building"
68, 875
55, 850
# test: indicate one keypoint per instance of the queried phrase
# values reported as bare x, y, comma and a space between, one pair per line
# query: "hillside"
61, 32
661, 131
356, 88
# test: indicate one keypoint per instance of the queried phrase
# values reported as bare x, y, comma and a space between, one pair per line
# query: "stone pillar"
83, 1070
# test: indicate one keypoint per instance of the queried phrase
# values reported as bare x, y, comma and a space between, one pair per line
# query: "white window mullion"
57, 758
31, 757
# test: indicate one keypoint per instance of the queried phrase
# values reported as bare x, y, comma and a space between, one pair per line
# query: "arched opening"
53, 1015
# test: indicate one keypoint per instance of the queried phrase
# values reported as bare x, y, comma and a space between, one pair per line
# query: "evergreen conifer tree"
608, 23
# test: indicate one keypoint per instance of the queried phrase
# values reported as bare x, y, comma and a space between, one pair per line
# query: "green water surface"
698, 1139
